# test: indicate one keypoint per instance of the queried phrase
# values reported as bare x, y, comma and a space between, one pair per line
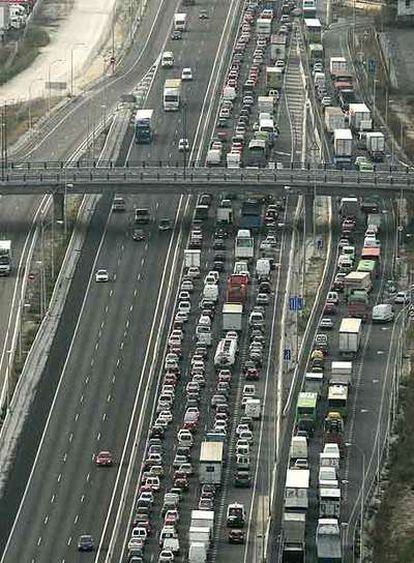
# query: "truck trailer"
143, 126
350, 333
172, 94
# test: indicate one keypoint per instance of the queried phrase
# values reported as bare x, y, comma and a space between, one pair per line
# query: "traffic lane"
196, 50
63, 418
16, 218
69, 127
110, 413
84, 337
259, 511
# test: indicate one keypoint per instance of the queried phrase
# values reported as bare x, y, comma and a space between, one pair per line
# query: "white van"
263, 268
382, 313
345, 263
167, 59
203, 335
211, 292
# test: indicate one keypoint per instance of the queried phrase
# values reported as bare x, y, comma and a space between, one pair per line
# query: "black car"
218, 265
165, 224
237, 536
138, 235
85, 543
218, 244
176, 34
242, 478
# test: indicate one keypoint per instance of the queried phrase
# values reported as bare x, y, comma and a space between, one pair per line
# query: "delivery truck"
334, 119
143, 126
232, 316
278, 47
296, 489
211, 463
293, 533
343, 144
350, 333
328, 541
172, 94
274, 77
338, 66
341, 373
360, 117
375, 144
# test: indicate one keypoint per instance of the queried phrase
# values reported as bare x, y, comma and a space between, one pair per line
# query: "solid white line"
29, 481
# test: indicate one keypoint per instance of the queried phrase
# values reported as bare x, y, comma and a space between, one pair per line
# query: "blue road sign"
295, 303
372, 65
287, 354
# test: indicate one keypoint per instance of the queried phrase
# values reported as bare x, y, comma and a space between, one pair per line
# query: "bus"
371, 253
338, 399
306, 411
244, 247
368, 266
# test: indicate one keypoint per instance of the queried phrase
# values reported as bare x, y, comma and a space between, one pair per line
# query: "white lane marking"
104, 416
52, 499
39, 540
71, 437
65, 457
98, 437
75, 520
59, 478
108, 399
76, 417
70, 540
46, 520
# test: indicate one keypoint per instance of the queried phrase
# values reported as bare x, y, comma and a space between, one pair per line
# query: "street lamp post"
65, 217
184, 107
49, 79
362, 509
30, 101
73, 47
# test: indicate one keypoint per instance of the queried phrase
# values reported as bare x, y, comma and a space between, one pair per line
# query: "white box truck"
343, 144
192, 258
264, 26
180, 22
293, 527
338, 66
296, 489
298, 448
197, 553
202, 519
211, 463
233, 159
329, 502
360, 117
4, 18
266, 104
375, 143
172, 94
5, 257
341, 373
350, 333
201, 535
334, 119
232, 316
328, 541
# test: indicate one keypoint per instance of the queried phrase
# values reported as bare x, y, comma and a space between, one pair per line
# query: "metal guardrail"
84, 179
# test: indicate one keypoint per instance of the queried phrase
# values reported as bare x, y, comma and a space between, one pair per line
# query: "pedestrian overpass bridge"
56, 178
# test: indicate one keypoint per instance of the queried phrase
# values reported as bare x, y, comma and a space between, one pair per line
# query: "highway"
96, 392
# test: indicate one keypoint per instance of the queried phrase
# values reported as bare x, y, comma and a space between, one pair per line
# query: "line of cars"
253, 137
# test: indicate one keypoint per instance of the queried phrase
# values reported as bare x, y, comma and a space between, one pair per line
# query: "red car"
252, 374
104, 459
329, 309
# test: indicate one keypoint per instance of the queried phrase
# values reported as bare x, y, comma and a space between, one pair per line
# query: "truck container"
334, 119
341, 373
211, 463
4, 18
315, 51
274, 77
197, 553
201, 535
264, 26
349, 207
5, 257
329, 502
266, 104
250, 215
277, 47
233, 160
328, 541
298, 448
343, 147
374, 219
329, 459
293, 533
375, 144
143, 126
203, 519
232, 316
180, 22
358, 304
224, 215
192, 258
359, 281
350, 336
338, 66
296, 490
257, 151
263, 269
225, 355
313, 30
213, 157
172, 94
313, 382
360, 117
309, 13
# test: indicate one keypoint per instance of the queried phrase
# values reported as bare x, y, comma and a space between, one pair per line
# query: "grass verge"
12, 64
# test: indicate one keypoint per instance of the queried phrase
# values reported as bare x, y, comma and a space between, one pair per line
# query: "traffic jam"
356, 299
202, 443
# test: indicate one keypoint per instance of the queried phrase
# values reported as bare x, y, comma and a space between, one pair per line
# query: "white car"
187, 74
101, 276
183, 145
402, 298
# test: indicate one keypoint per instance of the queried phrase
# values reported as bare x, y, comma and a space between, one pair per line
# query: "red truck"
237, 288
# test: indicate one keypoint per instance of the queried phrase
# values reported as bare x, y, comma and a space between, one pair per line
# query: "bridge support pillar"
58, 206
